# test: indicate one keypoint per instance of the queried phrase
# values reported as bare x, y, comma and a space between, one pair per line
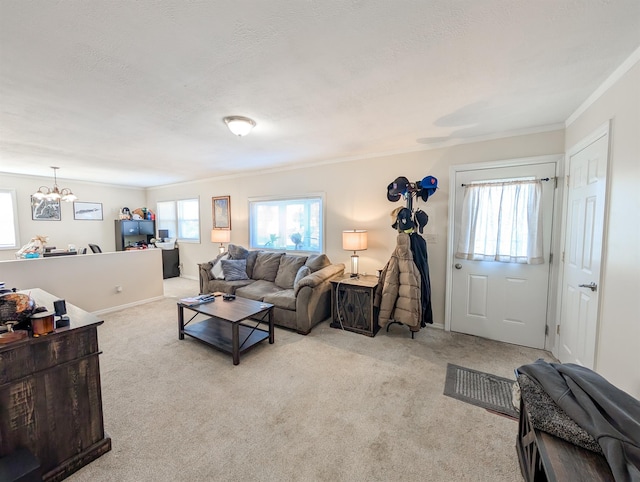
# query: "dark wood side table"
352, 304
50, 394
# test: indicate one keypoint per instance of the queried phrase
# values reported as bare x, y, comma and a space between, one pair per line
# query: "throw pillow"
317, 261
237, 252
266, 267
216, 271
289, 266
234, 269
302, 272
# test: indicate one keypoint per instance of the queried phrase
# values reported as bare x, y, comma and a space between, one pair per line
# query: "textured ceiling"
101, 87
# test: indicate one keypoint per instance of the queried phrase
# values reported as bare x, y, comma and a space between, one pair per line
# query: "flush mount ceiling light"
54, 193
239, 125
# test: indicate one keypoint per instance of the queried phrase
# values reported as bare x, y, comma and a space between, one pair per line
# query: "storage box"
171, 244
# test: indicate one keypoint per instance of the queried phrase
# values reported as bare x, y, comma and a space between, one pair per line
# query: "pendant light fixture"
54, 193
239, 125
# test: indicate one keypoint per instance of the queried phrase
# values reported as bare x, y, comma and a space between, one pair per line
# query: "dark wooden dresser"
50, 395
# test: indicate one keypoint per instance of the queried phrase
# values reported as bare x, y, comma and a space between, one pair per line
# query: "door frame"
603, 130
558, 159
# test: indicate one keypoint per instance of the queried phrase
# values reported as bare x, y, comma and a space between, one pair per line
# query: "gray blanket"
546, 415
608, 414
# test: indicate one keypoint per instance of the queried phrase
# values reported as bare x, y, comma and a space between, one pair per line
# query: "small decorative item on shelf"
34, 248
42, 323
125, 213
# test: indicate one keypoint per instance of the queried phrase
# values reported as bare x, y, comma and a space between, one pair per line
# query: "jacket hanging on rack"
400, 297
421, 259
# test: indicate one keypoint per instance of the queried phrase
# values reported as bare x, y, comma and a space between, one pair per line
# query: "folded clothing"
546, 415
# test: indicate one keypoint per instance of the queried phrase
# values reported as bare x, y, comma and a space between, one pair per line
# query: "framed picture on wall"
87, 211
221, 209
45, 209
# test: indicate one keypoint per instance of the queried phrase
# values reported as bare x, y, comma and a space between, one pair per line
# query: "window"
289, 224
8, 219
181, 218
502, 221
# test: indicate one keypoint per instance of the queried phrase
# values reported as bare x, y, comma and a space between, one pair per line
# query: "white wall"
618, 351
355, 198
68, 230
90, 280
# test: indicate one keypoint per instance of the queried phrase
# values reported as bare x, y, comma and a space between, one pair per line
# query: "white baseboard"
128, 305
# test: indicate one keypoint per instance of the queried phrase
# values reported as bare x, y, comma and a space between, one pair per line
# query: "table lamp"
220, 236
354, 240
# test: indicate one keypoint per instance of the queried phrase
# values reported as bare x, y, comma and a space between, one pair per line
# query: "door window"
502, 221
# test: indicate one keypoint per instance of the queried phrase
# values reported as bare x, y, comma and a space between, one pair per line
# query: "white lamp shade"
220, 235
354, 240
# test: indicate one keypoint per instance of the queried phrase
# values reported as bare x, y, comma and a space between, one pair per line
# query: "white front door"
582, 252
503, 301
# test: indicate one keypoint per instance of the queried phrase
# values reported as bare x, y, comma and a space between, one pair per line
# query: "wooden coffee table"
223, 328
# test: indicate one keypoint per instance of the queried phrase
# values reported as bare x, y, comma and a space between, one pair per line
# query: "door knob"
458, 266
592, 286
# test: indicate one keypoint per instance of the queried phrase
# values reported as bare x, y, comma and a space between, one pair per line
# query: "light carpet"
329, 406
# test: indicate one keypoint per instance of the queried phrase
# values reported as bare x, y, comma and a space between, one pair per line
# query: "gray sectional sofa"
298, 286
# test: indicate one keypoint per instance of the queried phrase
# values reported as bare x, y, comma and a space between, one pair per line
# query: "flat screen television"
163, 234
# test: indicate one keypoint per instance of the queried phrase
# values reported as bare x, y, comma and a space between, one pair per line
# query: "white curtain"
502, 221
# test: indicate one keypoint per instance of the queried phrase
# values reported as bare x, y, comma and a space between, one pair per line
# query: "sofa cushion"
266, 267
251, 262
225, 286
216, 271
302, 272
234, 269
284, 299
316, 262
237, 252
289, 266
258, 290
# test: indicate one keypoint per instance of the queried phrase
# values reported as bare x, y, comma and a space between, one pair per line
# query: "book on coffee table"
197, 300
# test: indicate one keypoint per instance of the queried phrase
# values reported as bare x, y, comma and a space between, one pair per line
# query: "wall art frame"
85, 211
221, 212
45, 209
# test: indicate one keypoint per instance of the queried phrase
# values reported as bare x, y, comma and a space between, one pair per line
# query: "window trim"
16, 219
291, 197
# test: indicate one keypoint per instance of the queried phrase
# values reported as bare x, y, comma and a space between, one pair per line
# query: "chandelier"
54, 193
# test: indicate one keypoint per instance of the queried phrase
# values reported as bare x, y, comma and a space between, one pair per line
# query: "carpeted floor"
329, 406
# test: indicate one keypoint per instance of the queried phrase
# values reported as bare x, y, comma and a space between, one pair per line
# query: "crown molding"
605, 86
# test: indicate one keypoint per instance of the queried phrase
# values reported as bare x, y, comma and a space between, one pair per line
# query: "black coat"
421, 259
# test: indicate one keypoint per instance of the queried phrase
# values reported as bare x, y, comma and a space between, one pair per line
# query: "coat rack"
423, 189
